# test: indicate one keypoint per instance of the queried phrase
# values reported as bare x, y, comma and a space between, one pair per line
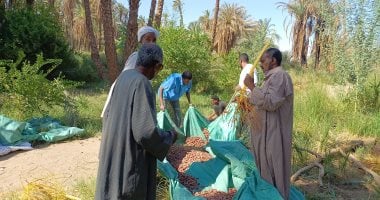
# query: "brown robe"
271, 137
131, 141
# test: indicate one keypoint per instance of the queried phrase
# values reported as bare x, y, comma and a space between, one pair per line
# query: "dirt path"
66, 163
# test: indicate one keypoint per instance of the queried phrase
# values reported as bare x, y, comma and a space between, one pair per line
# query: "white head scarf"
146, 29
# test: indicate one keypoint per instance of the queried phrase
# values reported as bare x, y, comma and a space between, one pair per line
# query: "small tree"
27, 92
186, 50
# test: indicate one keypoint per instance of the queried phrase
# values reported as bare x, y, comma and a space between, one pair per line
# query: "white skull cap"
146, 29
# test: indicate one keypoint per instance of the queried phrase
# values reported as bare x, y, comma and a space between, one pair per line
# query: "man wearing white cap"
145, 35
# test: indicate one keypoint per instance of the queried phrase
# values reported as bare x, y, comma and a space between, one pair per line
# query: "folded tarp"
10, 131
44, 129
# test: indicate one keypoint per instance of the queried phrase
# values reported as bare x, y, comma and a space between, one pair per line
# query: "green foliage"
313, 120
186, 50
255, 40
85, 189
352, 47
36, 31
85, 70
82, 110
358, 55
226, 74
322, 111
27, 93
367, 97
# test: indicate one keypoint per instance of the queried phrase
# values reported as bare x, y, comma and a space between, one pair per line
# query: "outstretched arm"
160, 96
188, 97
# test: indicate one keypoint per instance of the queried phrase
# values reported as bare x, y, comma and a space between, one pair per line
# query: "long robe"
131, 141
271, 138
129, 64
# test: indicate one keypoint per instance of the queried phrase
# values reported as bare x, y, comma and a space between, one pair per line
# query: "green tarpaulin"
10, 131
194, 123
45, 129
226, 126
233, 165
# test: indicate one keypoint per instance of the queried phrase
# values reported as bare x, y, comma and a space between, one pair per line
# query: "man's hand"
248, 81
162, 107
237, 88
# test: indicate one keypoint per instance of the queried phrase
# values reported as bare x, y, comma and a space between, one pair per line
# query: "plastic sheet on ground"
232, 165
45, 129
226, 126
194, 123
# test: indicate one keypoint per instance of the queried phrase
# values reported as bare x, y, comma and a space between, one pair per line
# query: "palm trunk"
131, 41
100, 38
157, 18
30, 3
180, 15
10, 3
91, 36
317, 41
151, 12
215, 24
109, 39
51, 2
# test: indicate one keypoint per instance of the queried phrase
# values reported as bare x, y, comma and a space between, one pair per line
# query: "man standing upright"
145, 35
245, 69
131, 142
169, 92
271, 137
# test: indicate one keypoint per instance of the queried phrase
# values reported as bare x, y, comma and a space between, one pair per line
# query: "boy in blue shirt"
172, 89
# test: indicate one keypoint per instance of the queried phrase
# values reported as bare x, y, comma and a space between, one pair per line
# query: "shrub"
36, 31
85, 70
226, 74
27, 93
185, 50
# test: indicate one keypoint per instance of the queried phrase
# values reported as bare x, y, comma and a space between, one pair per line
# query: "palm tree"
79, 33
109, 39
216, 13
68, 19
151, 12
91, 36
157, 17
233, 24
97, 8
302, 28
132, 28
177, 6
205, 21
195, 26
121, 14
298, 10
308, 22
51, 2
29, 3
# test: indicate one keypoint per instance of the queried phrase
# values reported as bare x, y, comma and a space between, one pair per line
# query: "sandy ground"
64, 163
68, 162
